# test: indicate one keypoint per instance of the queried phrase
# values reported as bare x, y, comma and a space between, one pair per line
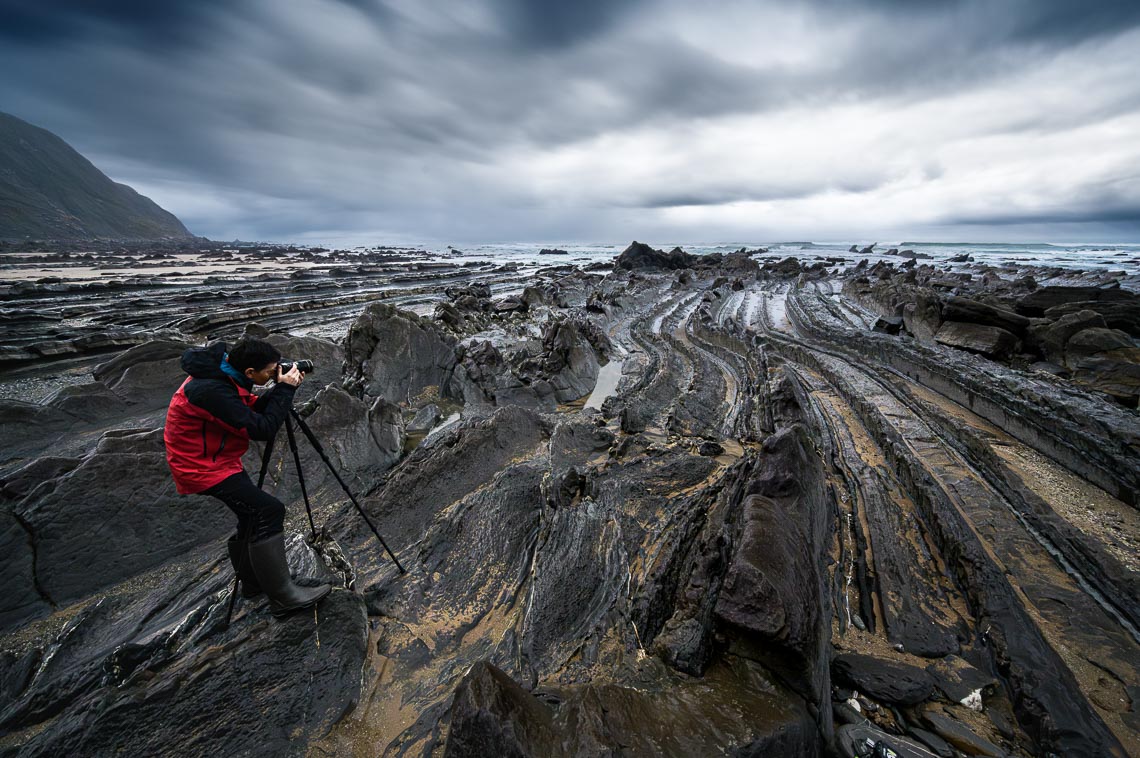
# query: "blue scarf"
230, 371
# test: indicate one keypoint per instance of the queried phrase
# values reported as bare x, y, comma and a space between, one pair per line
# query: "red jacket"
211, 419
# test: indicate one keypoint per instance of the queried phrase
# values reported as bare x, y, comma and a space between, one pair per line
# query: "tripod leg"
265, 456
300, 474
312, 438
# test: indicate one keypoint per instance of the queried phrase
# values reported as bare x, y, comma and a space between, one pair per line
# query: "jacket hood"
205, 362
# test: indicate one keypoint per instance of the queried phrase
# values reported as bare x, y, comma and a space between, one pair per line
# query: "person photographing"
210, 421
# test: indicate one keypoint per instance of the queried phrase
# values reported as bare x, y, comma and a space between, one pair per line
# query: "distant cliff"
49, 191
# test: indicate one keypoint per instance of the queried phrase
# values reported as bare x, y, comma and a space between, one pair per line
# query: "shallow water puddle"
608, 377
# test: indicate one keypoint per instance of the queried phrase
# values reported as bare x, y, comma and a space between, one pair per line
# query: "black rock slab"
990, 341
775, 589
114, 515
733, 711
885, 680
964, 309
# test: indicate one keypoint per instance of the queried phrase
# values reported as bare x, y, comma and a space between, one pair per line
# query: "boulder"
710, 449
1044, 298
399, 356
991, 341
888, 325
960, 681
425, 419
145, 375
959, 735
1050, 338
1106, 360
509, 304
974, 312
775, 587
362, 438
639, 255
1117, 314
885, 680
476, 290
326, 355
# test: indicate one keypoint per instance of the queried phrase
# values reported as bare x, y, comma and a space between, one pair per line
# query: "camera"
305, 367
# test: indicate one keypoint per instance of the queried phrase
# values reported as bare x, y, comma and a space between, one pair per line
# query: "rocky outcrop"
398, 356
956, 308
88, 526
1045, 298
253, 687
1106, 360
639, 255
990, 341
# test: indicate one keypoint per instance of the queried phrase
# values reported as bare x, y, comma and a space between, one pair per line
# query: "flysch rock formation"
687, 505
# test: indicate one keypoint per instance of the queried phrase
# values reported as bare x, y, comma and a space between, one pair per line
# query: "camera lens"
305, 367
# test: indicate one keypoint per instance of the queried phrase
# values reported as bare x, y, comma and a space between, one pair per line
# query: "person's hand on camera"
292, 376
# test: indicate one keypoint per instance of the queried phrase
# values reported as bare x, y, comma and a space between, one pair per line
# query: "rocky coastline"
726, 504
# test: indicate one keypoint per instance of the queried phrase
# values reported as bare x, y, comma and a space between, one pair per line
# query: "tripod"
316, 445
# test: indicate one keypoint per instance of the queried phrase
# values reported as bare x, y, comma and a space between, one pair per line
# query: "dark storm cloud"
559, 24
147, 22
1023, 20
345, 114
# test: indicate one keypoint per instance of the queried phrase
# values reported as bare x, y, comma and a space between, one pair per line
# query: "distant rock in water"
552, 251
640, 255
49, 191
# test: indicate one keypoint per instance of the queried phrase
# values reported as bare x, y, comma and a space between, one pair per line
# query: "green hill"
49, 191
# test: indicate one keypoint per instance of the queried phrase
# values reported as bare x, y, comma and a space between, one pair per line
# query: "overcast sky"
465, 121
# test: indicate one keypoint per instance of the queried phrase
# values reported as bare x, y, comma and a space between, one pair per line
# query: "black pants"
259, 514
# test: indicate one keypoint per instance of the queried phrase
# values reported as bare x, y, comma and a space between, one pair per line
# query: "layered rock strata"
781, 530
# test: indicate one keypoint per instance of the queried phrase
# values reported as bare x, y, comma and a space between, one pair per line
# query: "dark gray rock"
177, 677
1044, 298
425, 419
327, 358
888, 325
398, 356
1051, 337
87, 525
940, 747
639, 255
990, 341
1106, 360
884, 680
1117, 314
90, 402
710, 448
436, 475
774, 589
972, 311
145, 376
960, 736
957, 679
492, 715
362, 438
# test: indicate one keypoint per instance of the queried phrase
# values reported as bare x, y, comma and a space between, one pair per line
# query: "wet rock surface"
825, 502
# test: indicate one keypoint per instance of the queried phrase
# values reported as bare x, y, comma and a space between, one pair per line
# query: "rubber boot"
244, 570
269, 565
